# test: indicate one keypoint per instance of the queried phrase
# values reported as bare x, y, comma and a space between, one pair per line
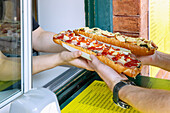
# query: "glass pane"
159, 14
10, 48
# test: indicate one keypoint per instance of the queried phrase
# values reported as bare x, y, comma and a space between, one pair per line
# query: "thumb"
67, 56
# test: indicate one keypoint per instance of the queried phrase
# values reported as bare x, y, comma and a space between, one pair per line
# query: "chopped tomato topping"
115, 59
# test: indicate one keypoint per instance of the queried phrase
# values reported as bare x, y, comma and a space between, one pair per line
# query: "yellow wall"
159, 17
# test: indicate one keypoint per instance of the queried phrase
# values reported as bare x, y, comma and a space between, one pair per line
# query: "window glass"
159, 11
10, 48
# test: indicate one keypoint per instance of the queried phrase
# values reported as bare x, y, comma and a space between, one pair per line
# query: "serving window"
14, 33
10, 49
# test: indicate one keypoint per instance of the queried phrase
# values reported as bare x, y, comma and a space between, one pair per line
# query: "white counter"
44, 77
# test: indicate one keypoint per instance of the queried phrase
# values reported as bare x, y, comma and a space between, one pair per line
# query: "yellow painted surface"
96, 98
159, 22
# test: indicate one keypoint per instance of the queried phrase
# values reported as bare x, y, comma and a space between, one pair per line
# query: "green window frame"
99, 13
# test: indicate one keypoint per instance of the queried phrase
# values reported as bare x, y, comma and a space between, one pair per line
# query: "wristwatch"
116, 89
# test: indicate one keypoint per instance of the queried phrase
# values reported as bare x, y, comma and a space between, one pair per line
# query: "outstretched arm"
44, 62
42, 41
158, 59
11, 67
144, 100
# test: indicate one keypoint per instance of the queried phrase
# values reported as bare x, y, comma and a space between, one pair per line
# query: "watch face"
123, 104
128, 82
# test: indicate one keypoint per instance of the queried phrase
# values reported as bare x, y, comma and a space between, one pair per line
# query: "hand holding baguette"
117, 58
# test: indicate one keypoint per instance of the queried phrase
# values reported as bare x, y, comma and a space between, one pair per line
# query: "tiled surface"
129, 34
145, 71
163, 74
126, 24
144, 19
130, 17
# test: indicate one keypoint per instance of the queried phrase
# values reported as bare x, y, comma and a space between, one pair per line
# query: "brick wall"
130, 17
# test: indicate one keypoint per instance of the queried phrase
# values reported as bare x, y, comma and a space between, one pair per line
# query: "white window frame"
26, 51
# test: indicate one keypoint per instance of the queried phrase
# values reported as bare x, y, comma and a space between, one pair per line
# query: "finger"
100, 67
67, 56
85, 64
81, 63
97, 65
90, 64
76, 54
94, 60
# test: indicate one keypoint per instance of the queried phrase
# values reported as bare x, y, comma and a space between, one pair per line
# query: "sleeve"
35, 24
34, 27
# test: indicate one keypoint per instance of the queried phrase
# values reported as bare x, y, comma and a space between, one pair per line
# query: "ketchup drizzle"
68, 41
60, 37
131, 63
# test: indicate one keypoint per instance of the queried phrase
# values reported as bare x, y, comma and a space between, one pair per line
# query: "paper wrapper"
87, 56
84, 55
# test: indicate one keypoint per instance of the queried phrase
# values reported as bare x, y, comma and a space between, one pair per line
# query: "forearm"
10, 70
162, 60
146, 100
45, 62
43, 41
158, 59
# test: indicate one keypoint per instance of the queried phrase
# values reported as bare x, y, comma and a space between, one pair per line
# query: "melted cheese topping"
115, 53
122, 59
107, 33
82, 44
130, 39
66, 38
137, 41
121, 38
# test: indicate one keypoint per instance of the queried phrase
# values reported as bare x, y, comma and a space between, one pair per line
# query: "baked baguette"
119, 59
138, 46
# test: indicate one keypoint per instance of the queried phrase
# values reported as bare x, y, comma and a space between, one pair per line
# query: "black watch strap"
116, 89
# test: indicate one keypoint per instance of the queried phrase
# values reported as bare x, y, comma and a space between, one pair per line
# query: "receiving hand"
147, 60
110, 76
74, 59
